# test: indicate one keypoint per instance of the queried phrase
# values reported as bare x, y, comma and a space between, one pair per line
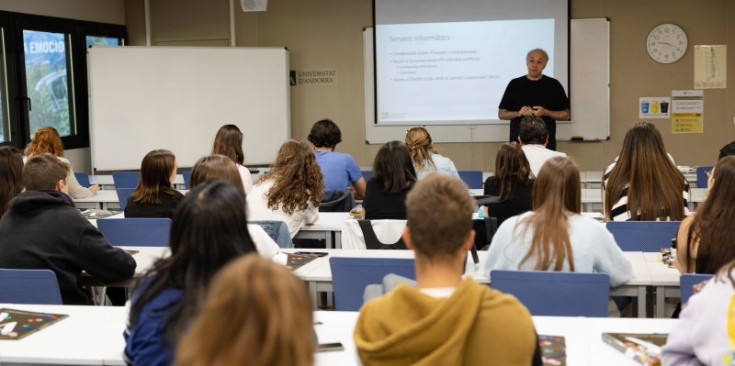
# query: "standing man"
536, 95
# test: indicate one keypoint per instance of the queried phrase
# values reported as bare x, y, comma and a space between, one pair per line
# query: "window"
43, 75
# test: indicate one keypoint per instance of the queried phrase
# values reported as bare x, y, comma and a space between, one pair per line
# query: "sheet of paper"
710, 67
687, 110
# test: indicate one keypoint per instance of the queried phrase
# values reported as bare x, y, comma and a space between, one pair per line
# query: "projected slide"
453, 72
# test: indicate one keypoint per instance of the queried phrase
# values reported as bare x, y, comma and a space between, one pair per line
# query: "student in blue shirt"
339, 169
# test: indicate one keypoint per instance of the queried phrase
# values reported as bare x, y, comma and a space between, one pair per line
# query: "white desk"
318, 274
328, 227
103, 200
93, 336
665, 280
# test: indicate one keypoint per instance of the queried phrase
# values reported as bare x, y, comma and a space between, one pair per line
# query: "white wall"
103, 11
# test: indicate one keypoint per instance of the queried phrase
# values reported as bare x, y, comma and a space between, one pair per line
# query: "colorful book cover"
642, 348
18, 324
298, 259
553, 350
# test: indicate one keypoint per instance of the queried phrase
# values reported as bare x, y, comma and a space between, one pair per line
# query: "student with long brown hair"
291, 191
206, 234
215, 168
228, 142
643, 184
554, 236
511, 183
256, 313
46, 140
393, 177
11, 175
155, 196
706, 240
425, 156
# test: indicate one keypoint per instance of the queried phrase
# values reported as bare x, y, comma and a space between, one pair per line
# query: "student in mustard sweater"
444, 320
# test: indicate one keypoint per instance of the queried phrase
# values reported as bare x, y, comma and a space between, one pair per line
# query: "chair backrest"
122, 196
702, 176
142, 232
277, 230
126, 179
29, 286
372, 241
556, 293
367, 174
646, 236
472, 178
687, 281
82, 179
187, 176
337, 201
387, 231
351, 275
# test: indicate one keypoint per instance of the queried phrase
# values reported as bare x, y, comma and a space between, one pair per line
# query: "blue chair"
702, 176
646, 236
472, 178
187, 177
367, 174
141, 232
29, 286
122, 196
82, 178
277, 230
350, 276
556, 293
126, 179
687, 282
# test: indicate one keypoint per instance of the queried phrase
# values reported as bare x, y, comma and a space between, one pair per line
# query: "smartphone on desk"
328, 347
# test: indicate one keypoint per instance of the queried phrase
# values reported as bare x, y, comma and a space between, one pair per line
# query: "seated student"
46, 140
727, 150
155, 196
425, 156
512, 183
11, 176
393, 177
554, 236
43, 230
706, 241
206, 234
339, 169
228, 142
291, 191
445, 320
704, 335
216, 167
256, 313
533, 137
643, 184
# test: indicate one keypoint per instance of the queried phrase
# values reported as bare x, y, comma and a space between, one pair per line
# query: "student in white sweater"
228, 142
554, 236
704, 334
533, 137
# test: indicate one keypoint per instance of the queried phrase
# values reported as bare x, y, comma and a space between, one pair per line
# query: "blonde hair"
555, 195
421, 147
256, 313
46, 140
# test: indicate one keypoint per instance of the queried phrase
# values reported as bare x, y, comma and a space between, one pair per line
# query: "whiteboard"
589, 93
176, 98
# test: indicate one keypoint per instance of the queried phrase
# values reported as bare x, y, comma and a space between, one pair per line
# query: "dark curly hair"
325, 133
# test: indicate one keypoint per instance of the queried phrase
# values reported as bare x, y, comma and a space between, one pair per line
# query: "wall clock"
666, 43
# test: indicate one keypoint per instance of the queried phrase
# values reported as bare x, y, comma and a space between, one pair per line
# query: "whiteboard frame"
176, 98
